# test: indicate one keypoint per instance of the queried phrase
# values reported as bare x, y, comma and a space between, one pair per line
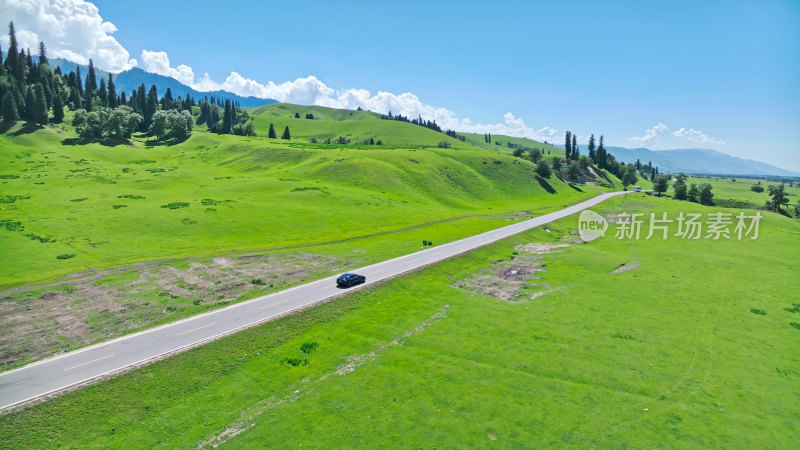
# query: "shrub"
66, 256
757, 188
626, 337
758, 311
296, 361
309, 347
175, 205
257, 282
443, 144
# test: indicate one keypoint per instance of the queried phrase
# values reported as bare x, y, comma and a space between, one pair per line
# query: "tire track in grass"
247, 419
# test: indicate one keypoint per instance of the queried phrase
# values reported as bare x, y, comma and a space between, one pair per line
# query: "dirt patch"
624, 267
41, 322
507, 280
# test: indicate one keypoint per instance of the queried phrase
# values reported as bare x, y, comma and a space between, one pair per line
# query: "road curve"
52, 376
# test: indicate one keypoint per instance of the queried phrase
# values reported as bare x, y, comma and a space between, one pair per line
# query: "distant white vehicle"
637, 189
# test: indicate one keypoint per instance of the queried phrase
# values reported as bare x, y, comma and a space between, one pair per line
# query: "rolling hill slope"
99, 206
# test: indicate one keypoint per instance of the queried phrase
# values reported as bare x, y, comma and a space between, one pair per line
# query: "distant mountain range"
129, 80
695, 161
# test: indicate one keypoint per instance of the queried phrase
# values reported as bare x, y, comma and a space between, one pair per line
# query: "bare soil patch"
43, 321
507, 280
624, 267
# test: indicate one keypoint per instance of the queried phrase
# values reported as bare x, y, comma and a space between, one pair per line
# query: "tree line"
430, 124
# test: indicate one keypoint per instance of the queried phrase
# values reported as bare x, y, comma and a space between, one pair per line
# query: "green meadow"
537, 340
67, 207
736, 191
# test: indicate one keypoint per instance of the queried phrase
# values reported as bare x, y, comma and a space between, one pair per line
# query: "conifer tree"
43, 54
11, 60
112, 92
102, 93
91, 80
151, 106
271, 133
58, 108
592, 154
141, 99
79, 83
30, 106
575, 150
21, 68
567, 145
286, 134
40, 104
227, 118
8, 109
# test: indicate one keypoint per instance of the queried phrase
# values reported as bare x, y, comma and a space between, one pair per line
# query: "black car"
349, 279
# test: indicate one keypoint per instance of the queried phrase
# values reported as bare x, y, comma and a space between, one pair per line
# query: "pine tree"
11, 60
30, 106
79, 82
43, 54
568, 145
58, 108
2, 66
601, 154
112, 92
575, 150
592, 154
286, 134
8, 109
151, 106
141, 99
91, 80
40, 104
227, 118
271, 134
21, 68
102, 93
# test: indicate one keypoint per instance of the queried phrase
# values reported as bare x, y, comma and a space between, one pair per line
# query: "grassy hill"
69, 207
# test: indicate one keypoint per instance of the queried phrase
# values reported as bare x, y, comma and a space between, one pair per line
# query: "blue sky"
719, 75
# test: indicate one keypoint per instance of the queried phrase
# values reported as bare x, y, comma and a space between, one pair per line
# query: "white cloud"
158, 62
696, 136
651, 136
71, 29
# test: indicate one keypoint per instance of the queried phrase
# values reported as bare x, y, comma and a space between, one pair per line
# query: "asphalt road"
56, 374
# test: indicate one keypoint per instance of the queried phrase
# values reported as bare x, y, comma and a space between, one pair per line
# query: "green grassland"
738, 193
478, 140
635, 343
98, 206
